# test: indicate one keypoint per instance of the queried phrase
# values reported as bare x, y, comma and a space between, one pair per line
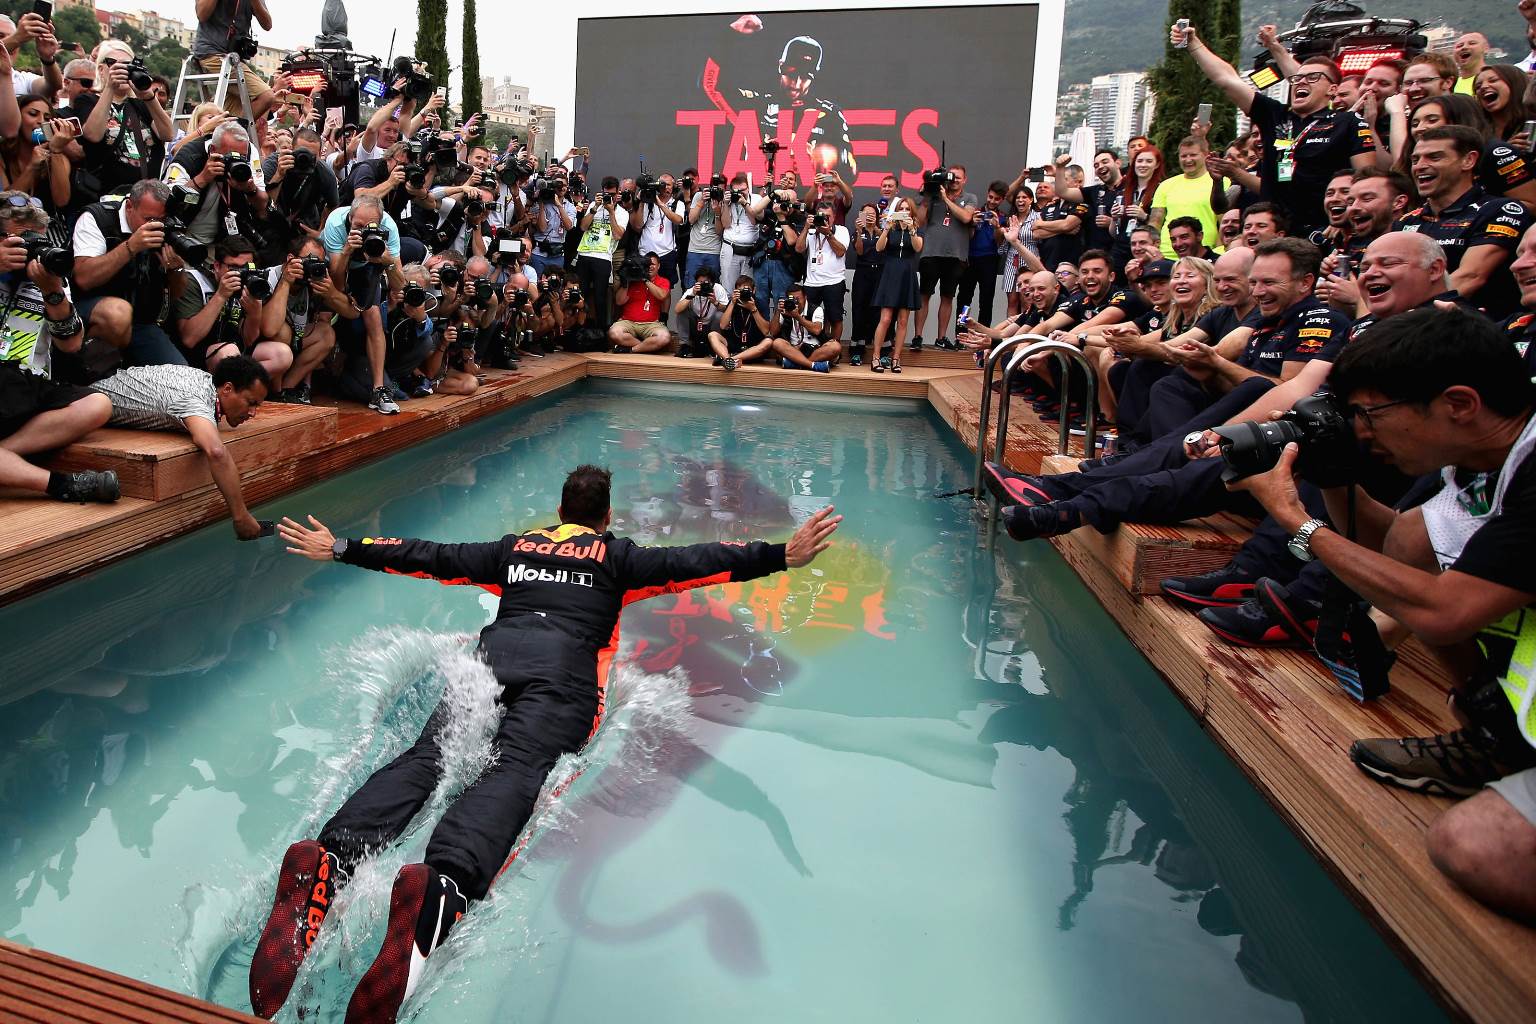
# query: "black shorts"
943, 271
24, 395
827, 296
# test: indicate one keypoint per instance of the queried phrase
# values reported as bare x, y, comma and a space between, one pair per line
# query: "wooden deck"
1278, 715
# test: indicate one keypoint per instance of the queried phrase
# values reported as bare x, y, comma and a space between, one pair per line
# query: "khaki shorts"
1520, 790
640, 331
254, 83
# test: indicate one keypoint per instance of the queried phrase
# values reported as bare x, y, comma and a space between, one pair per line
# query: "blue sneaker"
821, 366
787, 364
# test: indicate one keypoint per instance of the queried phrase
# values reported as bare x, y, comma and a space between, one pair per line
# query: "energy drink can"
964, 317
1182, 24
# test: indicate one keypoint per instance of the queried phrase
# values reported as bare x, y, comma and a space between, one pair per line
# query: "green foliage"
132, 36
432, 37
74, 25
1179, 83
165, 58
473, 102
497, 136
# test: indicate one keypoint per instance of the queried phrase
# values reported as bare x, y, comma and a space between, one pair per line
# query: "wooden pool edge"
1362, 833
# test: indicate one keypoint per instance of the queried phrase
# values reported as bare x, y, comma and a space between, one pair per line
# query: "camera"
647, 186
243, 46
791, 305
519, 298
634, 269
1319, 424
255, 281
235, 167
449, 275
481, 294
937, 181
544, 188
820, 220
375, 241
58, 262
468, 338
418, 87
735, 195
572, 295
180, 208
139, 76
303, 161
474, 207
415, 176
415, 295
745, 294
315, 268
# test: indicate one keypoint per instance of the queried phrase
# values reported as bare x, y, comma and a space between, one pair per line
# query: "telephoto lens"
415, 295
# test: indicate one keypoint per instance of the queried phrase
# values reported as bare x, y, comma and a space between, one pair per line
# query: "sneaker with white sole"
383, 402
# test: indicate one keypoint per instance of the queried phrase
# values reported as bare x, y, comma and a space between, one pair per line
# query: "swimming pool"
920, 780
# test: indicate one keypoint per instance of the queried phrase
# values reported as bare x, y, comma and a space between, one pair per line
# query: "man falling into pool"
551, 646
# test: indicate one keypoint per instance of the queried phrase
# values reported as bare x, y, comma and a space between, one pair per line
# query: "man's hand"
247, 527
284, 164
13, 252
354, 242
45, 281
1275, 489
316, 544
293, 270
150, 235
213, 171
229, 285
749, 23
809, 541
1269, 35
1182, 38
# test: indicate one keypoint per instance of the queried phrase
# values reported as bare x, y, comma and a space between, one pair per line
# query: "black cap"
801, 53
1157, 268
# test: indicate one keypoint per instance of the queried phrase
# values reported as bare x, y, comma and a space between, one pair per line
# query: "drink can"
1107, 444
965, 315
1181, 25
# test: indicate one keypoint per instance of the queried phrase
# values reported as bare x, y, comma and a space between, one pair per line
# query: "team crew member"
556, 630
1304, 143
1479, 232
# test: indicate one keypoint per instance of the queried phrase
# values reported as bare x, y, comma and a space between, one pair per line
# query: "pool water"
926, 779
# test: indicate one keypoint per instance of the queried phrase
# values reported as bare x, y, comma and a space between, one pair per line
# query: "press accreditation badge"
1286, 167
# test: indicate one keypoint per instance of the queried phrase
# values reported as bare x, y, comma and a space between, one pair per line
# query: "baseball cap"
1157, 268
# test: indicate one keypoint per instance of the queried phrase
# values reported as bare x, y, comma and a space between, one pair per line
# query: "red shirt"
642, 307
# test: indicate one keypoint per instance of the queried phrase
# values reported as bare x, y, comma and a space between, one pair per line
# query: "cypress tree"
432, 38
1180, 85
473, 102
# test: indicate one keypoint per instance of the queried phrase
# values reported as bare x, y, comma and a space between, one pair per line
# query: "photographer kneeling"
797, 335
362, 243
1444, 391
220, 310
299, 314
699, 311
303, 190
123, 269
641, 292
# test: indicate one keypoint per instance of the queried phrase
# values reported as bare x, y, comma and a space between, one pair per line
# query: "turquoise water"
920, 781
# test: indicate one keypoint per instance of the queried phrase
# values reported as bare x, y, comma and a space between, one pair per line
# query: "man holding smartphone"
36, 27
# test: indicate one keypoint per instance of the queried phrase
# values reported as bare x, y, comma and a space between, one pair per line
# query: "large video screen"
863, 92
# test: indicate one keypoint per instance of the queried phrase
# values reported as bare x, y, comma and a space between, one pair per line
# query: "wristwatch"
53, 298
339, 549
1301, 544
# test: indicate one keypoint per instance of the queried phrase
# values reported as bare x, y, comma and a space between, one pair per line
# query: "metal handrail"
1062, 351
993, 358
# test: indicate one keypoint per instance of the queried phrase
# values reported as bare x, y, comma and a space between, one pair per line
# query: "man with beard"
1376, 200
1305, 142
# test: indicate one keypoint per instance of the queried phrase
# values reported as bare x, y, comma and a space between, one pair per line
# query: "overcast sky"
548, 69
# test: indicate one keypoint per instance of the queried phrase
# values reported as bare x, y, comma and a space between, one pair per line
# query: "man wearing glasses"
1304, 143
79, 80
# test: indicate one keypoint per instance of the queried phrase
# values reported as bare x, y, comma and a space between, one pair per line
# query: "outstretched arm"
448, 563
668, 570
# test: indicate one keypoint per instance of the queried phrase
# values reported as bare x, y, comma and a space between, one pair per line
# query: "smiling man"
1303, 143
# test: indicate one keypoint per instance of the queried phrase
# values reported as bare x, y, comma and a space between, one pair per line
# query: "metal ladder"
1033, 344
192, 75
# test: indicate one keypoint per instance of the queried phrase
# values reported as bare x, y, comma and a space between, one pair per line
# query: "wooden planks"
912, 382
51, 989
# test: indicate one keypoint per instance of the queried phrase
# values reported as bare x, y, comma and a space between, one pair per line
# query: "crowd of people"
1325, 325
1364, 254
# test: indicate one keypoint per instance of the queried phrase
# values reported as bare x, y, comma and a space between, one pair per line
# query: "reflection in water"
202, 675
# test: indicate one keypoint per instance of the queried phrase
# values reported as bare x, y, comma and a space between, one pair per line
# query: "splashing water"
385, 686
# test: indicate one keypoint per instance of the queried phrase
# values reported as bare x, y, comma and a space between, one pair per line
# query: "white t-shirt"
25, 81
801, 337
602, 237
743, 229
709, 303
658, 234
89, 241
823, 266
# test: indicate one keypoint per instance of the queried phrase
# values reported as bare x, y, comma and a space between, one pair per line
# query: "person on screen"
826, 142
551, 647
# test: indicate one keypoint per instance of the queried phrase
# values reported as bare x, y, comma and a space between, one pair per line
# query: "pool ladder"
1033, 344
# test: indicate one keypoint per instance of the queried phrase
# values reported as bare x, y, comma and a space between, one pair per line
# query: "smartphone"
1181, 25
43, 9
442, 91
268, 528
1203, 114
1037, 174
1530, 131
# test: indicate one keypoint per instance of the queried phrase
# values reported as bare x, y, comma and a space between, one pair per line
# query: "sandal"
880, 365
895, 366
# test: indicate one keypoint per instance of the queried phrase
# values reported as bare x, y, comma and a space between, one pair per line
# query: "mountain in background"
1102, 36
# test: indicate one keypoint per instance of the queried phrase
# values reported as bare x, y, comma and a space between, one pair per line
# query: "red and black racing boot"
1012, 488
423, 906
306, 884
1221, 588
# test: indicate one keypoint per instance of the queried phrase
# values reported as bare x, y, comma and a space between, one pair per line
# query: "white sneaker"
383, 402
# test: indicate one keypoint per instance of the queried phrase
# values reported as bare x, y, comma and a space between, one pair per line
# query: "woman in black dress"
866, 278
897, 294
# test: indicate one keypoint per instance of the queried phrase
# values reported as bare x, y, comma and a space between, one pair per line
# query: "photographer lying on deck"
171, 396
1436, 390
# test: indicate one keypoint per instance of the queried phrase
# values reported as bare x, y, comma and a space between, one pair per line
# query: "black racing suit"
551, 648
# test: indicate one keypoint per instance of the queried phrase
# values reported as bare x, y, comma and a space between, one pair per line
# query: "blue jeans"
541, 263
701, 259
149, 345
773, 280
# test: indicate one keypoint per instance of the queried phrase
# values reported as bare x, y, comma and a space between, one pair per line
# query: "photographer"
227, 185
224, 26
797, 335
659, 213
558, 313
304, 303
739, 215
385, 180
125, 129
825, 245
122, 268
744, 333
302, 189
1437, 391
640, 290
410, 339
778, 263
706, 213
553, 217
944, 216
602, 225
451, 368
699, 311
362, 243
219, 312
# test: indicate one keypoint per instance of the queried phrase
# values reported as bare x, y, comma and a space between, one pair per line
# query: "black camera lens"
415, 295
474, 207
315, 268
238, 170
255, 281
58, 262
192, 253
375, 242
449, 275
484, 291
303, 161
415, 176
